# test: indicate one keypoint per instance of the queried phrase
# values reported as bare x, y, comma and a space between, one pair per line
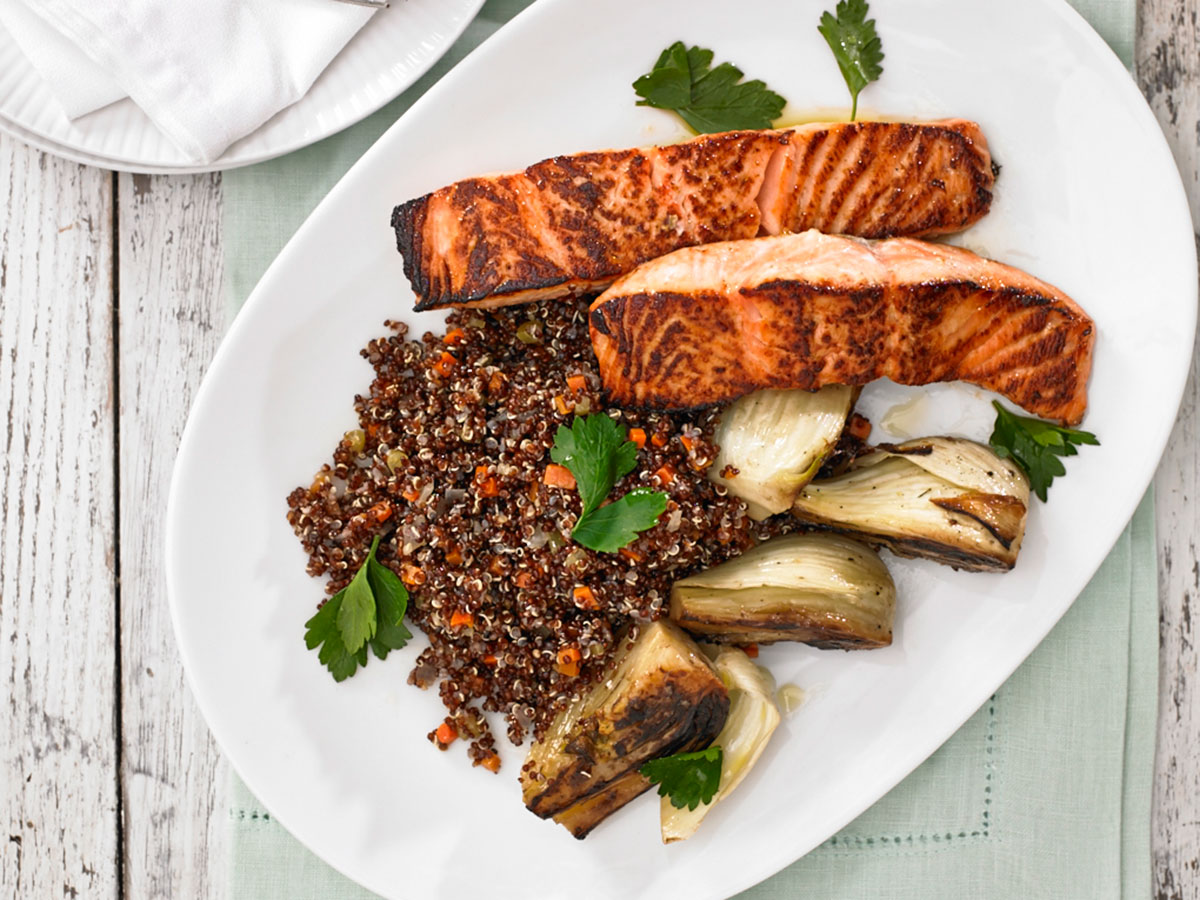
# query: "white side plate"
391, 51
1088, 199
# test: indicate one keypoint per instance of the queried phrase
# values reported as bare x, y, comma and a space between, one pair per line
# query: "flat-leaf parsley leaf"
598, 453
687, 779
855, 45
1036, 445
369, 611
709, 100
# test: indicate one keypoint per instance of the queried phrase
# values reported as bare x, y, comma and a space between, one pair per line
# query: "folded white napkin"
206, 72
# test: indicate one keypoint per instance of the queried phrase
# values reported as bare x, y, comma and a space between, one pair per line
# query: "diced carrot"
454, 336
412, 575
751, 650
567, 661
373, 429
381, 511
638, 436
560, 403
524, 579
454, 556
411, 495
687, 442
446, 364
485, 485
665, 473
859, 427
497, 566
631, 555
559, 476
576, 383
496, 384
491, 762
489, 660
460, 619
585, 598
446, 733
658, 440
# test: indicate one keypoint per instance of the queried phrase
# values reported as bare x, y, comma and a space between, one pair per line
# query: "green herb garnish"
709, 100
688, 779
1036, 445
597, 452
369, 611
855, 45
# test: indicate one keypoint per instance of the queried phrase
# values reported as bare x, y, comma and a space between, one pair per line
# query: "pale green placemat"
1045, 792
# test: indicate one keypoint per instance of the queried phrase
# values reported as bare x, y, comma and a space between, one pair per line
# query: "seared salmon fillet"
704, 325
573, 224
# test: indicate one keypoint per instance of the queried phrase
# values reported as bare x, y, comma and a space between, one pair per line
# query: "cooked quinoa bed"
448, 465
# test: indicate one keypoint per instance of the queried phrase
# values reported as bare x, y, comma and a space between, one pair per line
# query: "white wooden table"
110, 309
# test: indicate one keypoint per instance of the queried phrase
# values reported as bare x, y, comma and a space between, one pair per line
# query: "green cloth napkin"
1045, 792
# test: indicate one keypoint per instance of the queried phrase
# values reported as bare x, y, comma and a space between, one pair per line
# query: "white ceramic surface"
1088, 199
391, 51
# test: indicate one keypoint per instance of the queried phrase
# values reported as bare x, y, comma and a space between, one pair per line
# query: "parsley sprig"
598, 454
1036, 445
688, 779
709, 100
855, 45
369, 611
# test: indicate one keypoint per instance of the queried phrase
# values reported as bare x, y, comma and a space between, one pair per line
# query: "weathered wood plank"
59, 801
1168, 71
170, 271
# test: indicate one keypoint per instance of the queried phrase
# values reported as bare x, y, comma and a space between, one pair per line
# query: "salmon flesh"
573, 224
705, 325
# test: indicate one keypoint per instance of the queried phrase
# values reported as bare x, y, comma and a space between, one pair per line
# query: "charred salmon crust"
573, 224
708, 324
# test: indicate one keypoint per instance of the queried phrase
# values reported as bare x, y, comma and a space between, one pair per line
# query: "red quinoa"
449, 468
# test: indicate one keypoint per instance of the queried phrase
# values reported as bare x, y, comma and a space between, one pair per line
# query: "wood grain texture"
59, 803
1168, 71
170, 276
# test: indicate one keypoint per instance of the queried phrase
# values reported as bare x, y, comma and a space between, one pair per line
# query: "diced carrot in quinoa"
687, 442
412, 495
665, 473
381, 511
559, 476
567, 661
524, 579
751, 650
585, 598
560, 403
491, 762
460, 619
454, 336
658, 440
576, 383
412, 575
638, 436
631, 555
445, 365
489, 660
446, 733
454, 556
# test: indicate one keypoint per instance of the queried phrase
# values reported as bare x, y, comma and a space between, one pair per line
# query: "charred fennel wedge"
776, 440
946, 499
660, 696
819, 589
753, 718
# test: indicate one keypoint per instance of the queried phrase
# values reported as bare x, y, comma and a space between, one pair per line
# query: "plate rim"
774, 859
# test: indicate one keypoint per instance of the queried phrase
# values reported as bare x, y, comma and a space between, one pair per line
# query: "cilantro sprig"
368, 612
1036, 446
597, 452
687, 779
708, 99
855, 45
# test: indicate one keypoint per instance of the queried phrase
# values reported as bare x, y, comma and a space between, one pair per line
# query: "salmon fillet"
704, 325
573, 224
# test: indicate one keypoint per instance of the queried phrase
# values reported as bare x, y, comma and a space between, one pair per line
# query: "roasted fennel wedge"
946, 499
776, 441
753, 718
819, 589
660, 695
